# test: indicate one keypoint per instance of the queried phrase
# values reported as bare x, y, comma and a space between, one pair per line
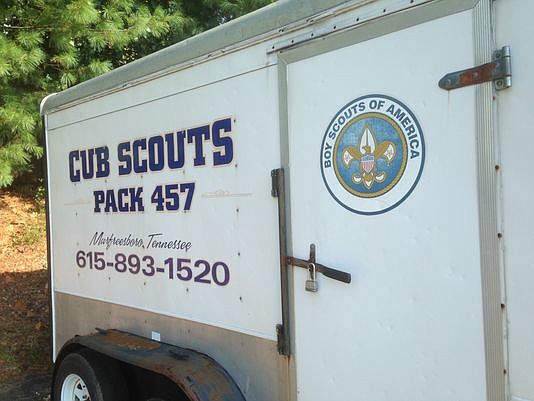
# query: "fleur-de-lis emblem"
368, 152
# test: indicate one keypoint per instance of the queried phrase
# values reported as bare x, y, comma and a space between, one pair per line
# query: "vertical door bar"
278, 190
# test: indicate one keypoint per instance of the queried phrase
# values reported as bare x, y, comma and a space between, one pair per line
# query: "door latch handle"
311, 263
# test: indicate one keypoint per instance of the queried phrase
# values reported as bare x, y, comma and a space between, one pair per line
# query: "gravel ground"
24, 315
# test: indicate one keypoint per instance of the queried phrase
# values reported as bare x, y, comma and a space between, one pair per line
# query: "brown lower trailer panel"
251, 361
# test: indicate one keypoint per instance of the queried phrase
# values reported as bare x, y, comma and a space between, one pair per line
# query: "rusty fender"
200, 377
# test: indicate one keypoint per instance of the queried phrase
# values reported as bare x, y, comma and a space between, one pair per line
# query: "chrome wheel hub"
74, 389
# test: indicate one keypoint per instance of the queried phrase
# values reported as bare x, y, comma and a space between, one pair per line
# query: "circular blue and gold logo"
372, 154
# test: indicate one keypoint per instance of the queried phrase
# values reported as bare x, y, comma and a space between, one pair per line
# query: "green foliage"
49, 45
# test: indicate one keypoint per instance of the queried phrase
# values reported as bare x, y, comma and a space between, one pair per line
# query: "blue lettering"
110, 201
89, 160
175, 150
125, 200
156, 156
406, 121
198, 135
74, 173
399, 114
102, 163
139, 165
157, 152
125, 166
87, 163
99, 199
226, 157
376, 104
121, 194
136, 199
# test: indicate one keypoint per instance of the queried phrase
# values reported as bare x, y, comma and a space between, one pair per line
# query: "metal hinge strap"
283, 329
275, 178
499, 71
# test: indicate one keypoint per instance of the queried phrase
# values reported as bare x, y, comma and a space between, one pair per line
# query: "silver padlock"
311, 284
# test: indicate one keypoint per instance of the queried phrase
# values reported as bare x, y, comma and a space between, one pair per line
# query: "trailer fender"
200, 377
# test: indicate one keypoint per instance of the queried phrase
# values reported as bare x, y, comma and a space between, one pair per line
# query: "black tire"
101, 378
167, 394
163, 399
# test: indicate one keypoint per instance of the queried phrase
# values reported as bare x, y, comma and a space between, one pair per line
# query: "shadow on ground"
33, 387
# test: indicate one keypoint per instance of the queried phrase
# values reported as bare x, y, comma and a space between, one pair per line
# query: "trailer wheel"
86, 376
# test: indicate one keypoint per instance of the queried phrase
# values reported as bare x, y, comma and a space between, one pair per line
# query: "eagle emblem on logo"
372, 154
367, 153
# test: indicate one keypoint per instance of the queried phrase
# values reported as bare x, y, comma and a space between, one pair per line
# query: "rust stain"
131, 342
477, 75
196, 374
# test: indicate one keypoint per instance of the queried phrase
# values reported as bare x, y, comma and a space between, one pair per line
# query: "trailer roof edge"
264, 20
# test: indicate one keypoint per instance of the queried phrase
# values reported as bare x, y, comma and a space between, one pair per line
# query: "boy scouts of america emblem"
372, 154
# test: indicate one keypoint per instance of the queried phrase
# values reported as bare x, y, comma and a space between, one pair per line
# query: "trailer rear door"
383, 181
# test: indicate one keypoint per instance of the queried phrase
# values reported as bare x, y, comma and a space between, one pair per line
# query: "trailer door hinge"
499, 71
278, 191
282, 340
275, 177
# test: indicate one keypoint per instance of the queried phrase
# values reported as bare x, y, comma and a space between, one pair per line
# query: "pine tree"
49, 45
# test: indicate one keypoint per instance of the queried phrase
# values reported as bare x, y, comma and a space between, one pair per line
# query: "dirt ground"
24, 311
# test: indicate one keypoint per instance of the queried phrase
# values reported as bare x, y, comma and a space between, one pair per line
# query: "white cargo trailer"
322, 200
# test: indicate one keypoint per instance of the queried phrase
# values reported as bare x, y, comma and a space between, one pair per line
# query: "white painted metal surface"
230, 221
514, 27
410, 325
